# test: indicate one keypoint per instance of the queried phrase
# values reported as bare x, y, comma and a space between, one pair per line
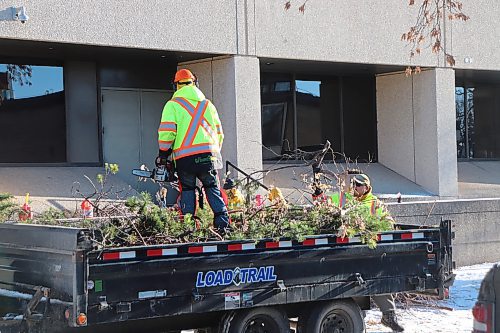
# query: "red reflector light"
272, 245
446, 293
195, 249
483, 317
111, 256
154, 252
234, 247
342, 240
309, 242
406, 236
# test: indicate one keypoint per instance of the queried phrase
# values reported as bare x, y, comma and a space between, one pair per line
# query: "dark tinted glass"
478, 120
338, 109
277, 114
32, 114
461, 123
485, 106
359, 115
318, 114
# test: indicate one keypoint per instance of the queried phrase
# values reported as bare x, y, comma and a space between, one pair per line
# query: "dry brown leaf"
450, 60
408, 71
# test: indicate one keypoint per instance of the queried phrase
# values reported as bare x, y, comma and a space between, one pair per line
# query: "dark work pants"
210, 183
385, 302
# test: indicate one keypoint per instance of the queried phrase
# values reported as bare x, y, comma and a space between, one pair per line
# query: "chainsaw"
160, 174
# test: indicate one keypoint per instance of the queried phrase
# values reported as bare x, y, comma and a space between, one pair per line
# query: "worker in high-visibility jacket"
191, 131
362, 193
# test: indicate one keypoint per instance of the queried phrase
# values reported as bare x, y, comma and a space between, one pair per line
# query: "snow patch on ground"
421, 319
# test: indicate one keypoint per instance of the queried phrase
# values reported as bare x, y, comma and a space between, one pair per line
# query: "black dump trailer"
52, 279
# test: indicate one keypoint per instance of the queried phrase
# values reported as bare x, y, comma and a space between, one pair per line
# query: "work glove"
162, 158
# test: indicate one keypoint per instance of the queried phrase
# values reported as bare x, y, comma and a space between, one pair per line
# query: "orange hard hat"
184, 74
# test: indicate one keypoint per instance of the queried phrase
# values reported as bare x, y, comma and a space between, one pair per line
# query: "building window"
478, 120
32, 114
302, 112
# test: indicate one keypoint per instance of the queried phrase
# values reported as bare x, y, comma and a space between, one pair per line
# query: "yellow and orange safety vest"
190, 124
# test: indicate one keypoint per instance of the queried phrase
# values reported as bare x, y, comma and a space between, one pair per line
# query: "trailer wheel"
337, 316
257, 320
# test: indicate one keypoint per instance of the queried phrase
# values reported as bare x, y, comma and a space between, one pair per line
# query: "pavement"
64, 187
59, 187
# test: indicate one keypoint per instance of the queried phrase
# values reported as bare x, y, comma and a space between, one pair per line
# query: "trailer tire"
273, 319
345, 316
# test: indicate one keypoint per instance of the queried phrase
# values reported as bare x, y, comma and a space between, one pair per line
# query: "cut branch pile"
140, 221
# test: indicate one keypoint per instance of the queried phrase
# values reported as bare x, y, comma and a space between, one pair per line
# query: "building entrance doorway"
130, 119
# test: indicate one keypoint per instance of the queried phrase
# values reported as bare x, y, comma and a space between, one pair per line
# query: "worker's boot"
389, 319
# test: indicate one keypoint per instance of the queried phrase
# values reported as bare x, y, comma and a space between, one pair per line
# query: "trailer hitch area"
40, 292
281, 285
418, 282
359, 280
123, 307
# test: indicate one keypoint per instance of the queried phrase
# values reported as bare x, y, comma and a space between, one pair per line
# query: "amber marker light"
81, 319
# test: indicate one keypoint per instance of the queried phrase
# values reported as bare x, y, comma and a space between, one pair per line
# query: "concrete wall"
334, 30
476, 224
370, 32
233, 85
82, 134
395, 129
152, 24
416, 128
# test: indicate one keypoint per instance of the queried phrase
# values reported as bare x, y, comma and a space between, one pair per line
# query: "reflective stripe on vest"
198, 121
167, 126
194, 149
165, 145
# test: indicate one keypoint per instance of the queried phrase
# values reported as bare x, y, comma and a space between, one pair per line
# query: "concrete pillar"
82, 133
416, 128
233, 85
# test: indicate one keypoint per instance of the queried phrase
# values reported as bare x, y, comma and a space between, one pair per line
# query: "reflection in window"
32, 114
477, 121
308, 115
282, 86
273, 128
334, 108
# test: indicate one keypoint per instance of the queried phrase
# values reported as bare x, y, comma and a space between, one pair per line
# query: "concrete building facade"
100, 73
284, 79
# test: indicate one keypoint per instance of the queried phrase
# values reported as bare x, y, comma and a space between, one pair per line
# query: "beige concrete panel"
395, 124
224, 97
198, 26
337, 30
426, 140
82, 141
248, 113
435, 141
478, 37
245, 20
446, 132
